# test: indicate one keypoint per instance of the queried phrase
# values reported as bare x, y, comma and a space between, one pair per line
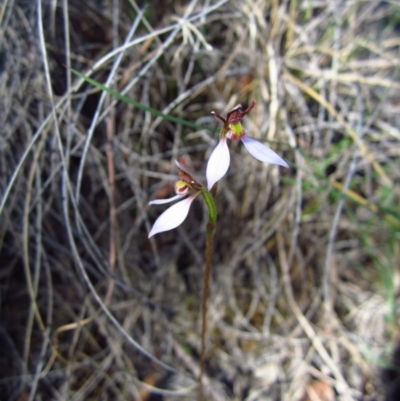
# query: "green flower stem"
212, 208
210, 230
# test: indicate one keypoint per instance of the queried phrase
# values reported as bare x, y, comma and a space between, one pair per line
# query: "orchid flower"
176, 214
232, 129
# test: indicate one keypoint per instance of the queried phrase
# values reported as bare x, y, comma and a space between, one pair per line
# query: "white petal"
218, 163
262, 152
172, 217
168, 200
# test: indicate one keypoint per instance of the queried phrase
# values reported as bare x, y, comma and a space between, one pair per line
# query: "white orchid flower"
177, 213
219, 161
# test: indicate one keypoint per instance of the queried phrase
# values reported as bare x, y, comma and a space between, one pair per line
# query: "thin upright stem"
207, 271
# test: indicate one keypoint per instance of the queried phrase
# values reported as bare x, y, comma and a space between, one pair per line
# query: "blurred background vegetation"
305, 282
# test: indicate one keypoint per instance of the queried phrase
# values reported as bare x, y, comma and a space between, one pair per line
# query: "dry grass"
305, 274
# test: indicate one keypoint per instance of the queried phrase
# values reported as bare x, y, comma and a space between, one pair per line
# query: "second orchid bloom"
187, 187
232, 129
176, 214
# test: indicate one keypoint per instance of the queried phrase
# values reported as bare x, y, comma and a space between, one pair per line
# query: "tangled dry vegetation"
303, 296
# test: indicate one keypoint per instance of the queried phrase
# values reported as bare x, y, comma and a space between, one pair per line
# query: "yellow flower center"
181, 187
235, 132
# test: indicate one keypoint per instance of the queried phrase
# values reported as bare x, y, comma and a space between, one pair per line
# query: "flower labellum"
173, 217
218, 163
232, 129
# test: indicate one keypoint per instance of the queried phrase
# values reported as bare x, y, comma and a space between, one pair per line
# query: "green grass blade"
139, 105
